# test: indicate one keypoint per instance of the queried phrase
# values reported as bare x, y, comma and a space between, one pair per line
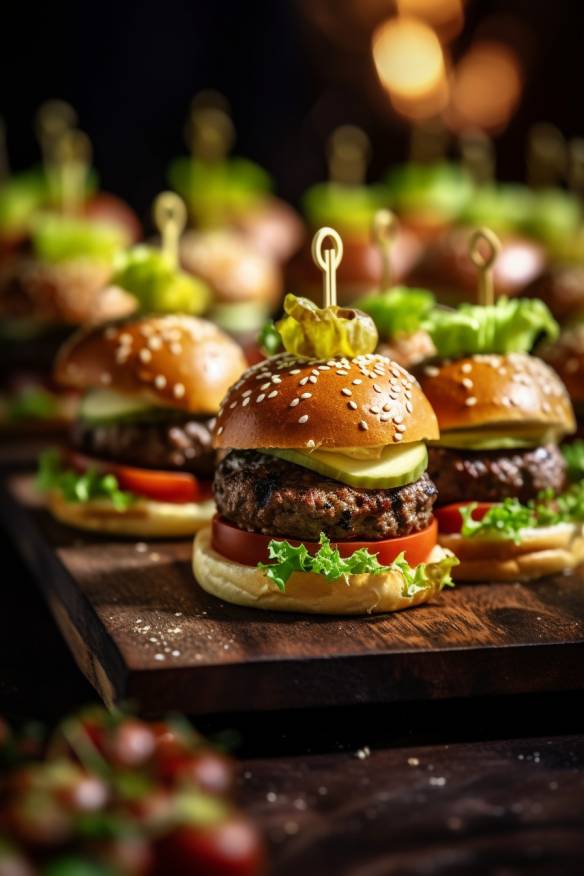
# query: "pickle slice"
396, 466
516, 436
101, 405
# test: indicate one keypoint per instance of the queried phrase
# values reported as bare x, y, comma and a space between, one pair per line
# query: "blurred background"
292, 71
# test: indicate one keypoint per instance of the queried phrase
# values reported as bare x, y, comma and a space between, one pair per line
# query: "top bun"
234, 269
566, 356
177, 361
290, 402
485, 390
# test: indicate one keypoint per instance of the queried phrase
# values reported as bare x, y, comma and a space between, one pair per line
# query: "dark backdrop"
131, 68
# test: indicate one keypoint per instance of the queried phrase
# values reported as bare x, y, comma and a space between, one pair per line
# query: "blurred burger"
429, 197
323, 500
246, 286
566, 357
497, 466
561, 287
140, 457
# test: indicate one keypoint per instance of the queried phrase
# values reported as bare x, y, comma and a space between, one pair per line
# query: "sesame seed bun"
307, 592
566, 357
290, 402
178, 361
144, 518
541, 551
234, 269
487, 390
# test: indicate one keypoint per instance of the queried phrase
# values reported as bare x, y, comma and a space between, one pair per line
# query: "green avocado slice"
395, 467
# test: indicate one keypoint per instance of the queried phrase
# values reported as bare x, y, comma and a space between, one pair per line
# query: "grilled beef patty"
179, 443
261, 493
489, 476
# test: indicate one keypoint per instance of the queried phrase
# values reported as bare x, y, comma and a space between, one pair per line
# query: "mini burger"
140, 459
566, 356
501, 478
323, 500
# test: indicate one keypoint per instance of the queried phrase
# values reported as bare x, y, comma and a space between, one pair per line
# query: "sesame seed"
303, 382
154, 342
377, 387
179, 390
470, 401
306, 395
400, 428
466, 367
175, 349
265, 385
303, 419
384, 418
398, 418
357, 382
295, 371
342, 373
273, 394
145, 355
246, 393
106, 378
315, 372
409, 407
160, 381
260, 397
374, 409
245, 402
346, 391
397, 436
324, 367
220, 430
363, 425
387, 406
294, 402
353, 405
467, 383
431, 371
232, 405
276, 378
122, 354
125, 338
312, 379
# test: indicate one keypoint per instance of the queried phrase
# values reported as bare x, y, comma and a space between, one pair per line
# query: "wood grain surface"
140, 628
502, 808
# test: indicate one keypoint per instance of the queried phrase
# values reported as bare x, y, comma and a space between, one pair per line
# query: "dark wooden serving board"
141, 629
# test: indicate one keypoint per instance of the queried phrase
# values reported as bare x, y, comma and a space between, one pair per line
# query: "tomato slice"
251, 548
162, 486
450, 520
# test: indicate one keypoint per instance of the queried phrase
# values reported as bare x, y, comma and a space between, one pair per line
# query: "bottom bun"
306, 591
541, 551
144, 518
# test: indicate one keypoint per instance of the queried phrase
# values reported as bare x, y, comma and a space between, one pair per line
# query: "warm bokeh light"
445, 16
486, 87
408, 58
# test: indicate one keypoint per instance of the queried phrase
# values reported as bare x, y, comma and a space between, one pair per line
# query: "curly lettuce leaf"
507, 519
509, 326
328, 562
504, 208
215, 192
32, 403
442, 188
58, 238
350, 209
321, 332
77, 486
147, 273
20, 199
556, 215
397, 310
573, 453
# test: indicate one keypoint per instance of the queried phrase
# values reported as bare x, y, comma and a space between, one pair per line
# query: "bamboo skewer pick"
348, 154
328, 260
383, 233
53, 119
170, 217
209, 130
484, 247
429, 141
72, 159
478, 156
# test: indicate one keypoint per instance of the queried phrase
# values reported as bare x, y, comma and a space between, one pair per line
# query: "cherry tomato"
108, 208
207, 769
449, 519
251, 548
230, 848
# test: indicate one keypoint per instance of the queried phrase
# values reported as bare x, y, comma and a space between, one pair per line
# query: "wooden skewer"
429, 141
383, 232
72, 159
478, 156
170, 217
484, 239
348, 154
209, 130
53, 119
328, 260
